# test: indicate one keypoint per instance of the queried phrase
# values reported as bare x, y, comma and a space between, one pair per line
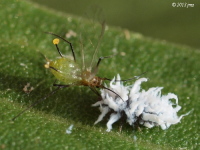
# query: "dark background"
152, 18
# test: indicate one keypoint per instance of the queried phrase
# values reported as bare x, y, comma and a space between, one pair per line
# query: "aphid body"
68, 71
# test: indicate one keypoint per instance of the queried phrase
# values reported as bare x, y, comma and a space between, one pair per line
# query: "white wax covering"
149, 108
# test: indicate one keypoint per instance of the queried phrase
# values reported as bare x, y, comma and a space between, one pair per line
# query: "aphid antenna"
135, 77
98, 43
95, 91
38, 101
112, 91
70, 44
44, 57
101, 58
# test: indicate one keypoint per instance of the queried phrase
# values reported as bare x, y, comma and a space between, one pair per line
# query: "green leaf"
174, 67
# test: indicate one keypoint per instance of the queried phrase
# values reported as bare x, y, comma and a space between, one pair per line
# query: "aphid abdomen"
66, 70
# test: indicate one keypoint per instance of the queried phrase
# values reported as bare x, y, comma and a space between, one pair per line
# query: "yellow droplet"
56, 41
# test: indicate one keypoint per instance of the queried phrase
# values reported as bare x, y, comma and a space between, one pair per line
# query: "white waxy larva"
149, 107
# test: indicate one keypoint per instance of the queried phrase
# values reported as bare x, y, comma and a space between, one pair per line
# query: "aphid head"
47, 64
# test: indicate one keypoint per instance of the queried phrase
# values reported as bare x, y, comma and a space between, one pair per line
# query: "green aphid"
70, 73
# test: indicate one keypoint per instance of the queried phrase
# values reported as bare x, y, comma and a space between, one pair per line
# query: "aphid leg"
61, 85
137, 124
55, 42
101, 58
54, 69
37, 102
95, 91
123, 119
70, 44
98, 63
111, 91
55, 81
